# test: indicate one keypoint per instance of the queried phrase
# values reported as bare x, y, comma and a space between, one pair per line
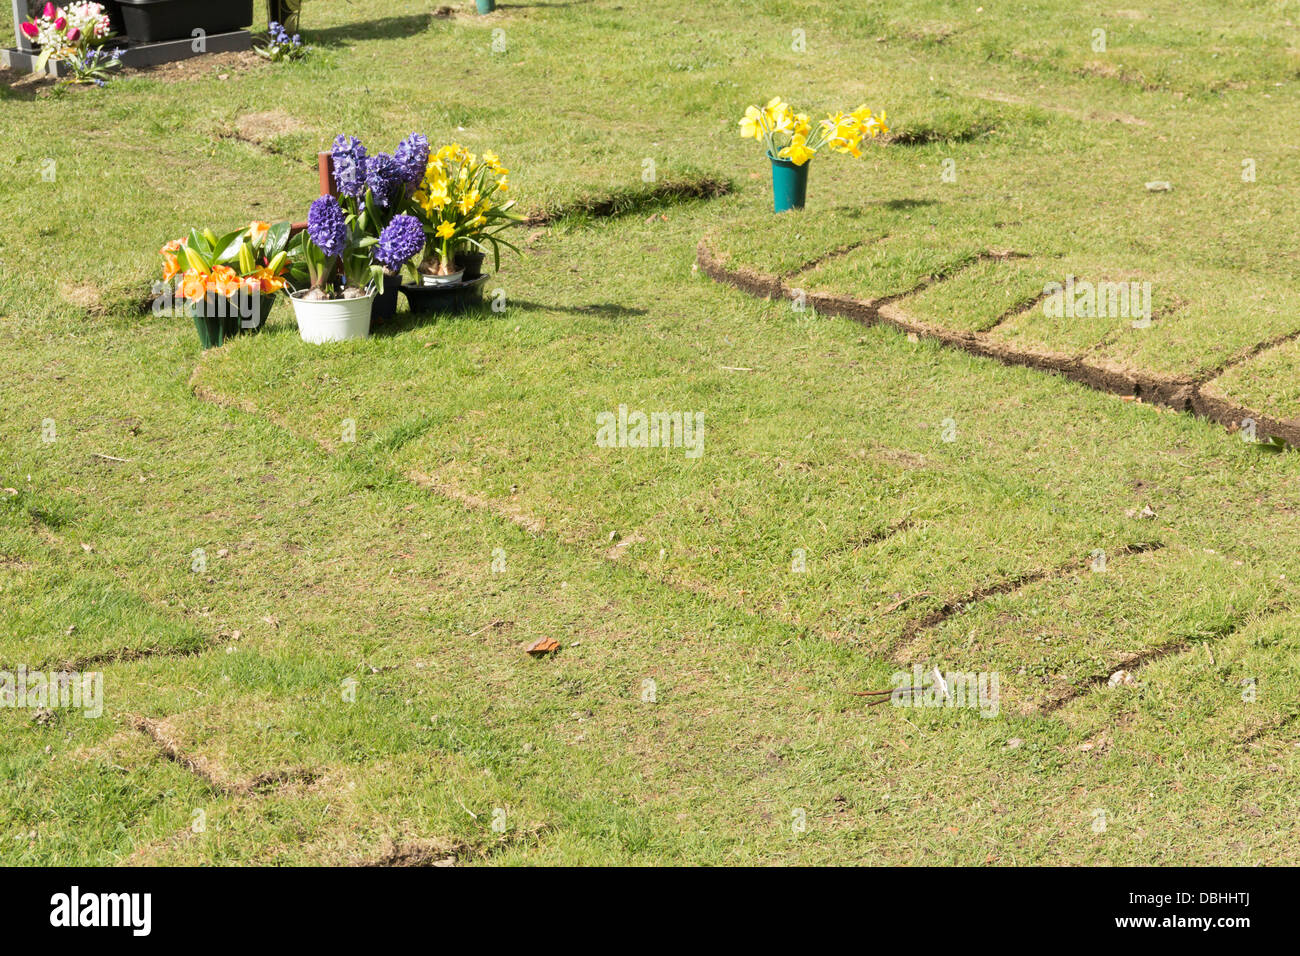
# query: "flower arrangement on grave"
280, 46
202, 266
67, 33
461, 203
791, 140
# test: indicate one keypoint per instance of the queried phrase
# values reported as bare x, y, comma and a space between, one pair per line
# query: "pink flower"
74, 35
60, 23
31, 30
50, 11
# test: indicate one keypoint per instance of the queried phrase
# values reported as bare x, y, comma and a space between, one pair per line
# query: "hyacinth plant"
400, 244
206, 272
336, 253
372, 192
280, 46
786, 134
460, 203
67, 33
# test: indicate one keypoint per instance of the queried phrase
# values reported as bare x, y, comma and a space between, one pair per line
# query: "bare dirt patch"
181, 71
83, 295
261, 128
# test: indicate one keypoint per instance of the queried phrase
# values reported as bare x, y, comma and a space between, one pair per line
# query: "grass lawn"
308, 573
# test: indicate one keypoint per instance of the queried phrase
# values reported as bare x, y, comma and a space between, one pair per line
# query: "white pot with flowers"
336, 305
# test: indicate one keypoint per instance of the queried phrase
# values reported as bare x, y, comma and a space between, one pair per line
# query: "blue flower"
399, 243
349, 166
384, 177
412, 155
325, 225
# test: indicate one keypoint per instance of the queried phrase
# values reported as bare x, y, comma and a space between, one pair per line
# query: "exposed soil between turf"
1178, 392
1015, 583
202, 768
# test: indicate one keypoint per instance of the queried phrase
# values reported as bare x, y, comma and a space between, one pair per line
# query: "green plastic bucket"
789, 184
486, 6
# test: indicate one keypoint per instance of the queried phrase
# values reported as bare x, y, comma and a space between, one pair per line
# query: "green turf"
341, 678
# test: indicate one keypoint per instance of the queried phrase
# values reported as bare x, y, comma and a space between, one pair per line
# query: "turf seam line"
1151, 655
833, 254
1245, 356
1259, 732
125, 655
199, 766
1009, 585
1020, 308
435, 852
1181, 393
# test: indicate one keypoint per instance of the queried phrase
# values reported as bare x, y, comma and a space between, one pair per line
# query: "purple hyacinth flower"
412, 155
326, 227
349, 166
399, 243
385, 179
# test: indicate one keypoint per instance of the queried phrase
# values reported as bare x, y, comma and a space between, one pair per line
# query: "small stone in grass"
1121, 677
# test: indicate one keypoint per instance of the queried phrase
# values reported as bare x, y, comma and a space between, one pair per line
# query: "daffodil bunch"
203, 266
786, 134
461, 202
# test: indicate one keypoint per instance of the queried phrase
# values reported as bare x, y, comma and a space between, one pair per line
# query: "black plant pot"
450, 298
471, 262
385, 304
152, 21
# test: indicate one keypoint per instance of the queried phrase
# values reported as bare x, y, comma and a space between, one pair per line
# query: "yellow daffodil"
445, 230
798, 151
789, 135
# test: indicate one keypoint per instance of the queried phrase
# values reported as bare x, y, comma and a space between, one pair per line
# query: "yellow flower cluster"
790, 135
461, 199
456, 189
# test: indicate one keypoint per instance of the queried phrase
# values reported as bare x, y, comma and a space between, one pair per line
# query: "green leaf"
277, 238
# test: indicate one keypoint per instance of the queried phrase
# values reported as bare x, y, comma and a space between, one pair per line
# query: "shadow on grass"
403, 322
384, 28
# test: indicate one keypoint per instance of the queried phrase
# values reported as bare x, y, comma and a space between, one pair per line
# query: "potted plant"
372, 191
400, 246
791, 141
226, 284
67, 34
459, 200
336, 306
